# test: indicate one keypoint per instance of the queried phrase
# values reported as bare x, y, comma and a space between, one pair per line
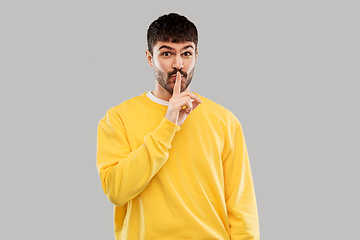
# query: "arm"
239, 190
125, 174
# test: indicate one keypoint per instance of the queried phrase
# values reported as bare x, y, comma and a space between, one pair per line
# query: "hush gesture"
181, 103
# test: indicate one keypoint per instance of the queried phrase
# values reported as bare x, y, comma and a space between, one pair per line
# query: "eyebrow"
170, 48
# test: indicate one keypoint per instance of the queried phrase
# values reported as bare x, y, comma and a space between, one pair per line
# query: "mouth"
173, 77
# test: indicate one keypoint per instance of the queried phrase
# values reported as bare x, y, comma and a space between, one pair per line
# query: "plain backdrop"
280, 66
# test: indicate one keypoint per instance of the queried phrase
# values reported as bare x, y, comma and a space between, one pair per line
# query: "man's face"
168, 58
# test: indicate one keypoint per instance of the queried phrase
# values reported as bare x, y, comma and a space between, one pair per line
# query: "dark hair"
171, 27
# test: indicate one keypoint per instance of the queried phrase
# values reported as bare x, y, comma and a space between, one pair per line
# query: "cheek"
161, 64
190, 65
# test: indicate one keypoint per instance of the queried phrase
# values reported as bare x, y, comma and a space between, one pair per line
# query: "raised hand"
181, 103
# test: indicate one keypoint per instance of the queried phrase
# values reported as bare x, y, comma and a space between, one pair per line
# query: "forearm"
126, 174
240, 193
243, 215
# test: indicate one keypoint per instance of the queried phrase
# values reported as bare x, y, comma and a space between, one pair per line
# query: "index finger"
177, 85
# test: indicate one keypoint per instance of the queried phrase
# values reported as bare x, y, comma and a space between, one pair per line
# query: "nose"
178, 62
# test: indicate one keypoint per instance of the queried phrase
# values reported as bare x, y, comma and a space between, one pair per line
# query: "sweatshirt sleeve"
239, 190
125, 174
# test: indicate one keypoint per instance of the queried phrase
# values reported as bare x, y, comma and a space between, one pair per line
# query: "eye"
187, 54
166, 54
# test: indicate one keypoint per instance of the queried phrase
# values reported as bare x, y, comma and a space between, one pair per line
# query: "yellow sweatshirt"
176, 182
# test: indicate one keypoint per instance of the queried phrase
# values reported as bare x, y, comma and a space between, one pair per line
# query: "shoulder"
207, 103
114, 113
218, 113
129, 104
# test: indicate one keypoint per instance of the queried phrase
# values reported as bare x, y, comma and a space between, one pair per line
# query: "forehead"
176, 46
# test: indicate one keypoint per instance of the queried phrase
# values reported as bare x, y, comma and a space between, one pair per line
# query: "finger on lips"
177, 85
192, 99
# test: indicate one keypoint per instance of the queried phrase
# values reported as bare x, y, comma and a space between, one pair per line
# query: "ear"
196, 54
149, 58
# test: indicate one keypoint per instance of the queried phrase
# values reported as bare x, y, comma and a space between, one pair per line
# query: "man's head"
172, 47
171, 28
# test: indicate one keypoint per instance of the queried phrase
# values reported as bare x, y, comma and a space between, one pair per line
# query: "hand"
181, 103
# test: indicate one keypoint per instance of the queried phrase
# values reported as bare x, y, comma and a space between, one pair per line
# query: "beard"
164, 79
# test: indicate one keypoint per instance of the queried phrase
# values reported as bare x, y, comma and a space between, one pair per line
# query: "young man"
174, 163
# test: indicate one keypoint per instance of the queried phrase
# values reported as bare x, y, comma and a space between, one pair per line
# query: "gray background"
282, 67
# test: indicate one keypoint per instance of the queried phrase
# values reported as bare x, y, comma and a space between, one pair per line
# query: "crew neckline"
156, 105
151, 103
156, 99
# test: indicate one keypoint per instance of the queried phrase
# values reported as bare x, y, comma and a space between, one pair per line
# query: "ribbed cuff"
165, 132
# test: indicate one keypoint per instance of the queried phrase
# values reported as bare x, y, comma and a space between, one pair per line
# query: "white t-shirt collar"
157, 100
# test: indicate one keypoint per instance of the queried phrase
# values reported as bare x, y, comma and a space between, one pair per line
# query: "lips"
173, 77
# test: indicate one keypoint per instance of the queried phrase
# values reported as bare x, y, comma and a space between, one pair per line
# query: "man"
174, 163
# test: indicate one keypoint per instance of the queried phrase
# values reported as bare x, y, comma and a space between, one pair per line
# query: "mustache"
175, 71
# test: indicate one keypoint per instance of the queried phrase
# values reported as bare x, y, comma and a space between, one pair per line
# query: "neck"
163, 95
